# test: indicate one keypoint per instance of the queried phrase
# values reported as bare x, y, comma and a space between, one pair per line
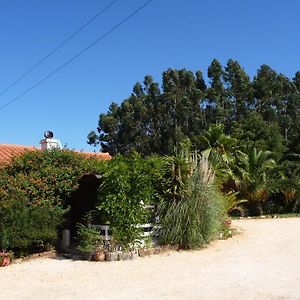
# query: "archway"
83, 200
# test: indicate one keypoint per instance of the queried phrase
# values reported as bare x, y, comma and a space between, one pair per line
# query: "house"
85, 197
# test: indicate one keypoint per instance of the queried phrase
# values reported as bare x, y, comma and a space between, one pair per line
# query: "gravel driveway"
261, 263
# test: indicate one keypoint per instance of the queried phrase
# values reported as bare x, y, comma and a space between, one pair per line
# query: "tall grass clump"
193, 215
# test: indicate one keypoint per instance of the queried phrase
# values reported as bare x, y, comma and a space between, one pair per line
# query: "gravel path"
261, 263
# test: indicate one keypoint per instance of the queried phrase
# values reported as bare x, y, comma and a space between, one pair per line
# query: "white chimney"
49, 143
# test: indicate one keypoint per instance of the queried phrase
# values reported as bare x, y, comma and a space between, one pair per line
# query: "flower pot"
227, 223
99, 256
5, 261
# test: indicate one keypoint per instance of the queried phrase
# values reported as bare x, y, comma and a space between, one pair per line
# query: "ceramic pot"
5, 261
99, 256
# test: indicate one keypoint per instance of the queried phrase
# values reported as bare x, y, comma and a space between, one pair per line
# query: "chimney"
49, 143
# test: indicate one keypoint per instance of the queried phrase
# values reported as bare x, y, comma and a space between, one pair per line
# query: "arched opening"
83, 200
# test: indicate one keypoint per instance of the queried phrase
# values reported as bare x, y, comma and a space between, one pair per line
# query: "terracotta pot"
227, 223
5, 261
99, 256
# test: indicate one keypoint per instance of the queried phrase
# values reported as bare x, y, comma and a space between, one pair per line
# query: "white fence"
149, 230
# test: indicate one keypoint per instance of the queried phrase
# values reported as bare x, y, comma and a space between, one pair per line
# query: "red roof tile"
100, 155
7, 152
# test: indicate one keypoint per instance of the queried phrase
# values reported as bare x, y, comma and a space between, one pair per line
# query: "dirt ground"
263, 262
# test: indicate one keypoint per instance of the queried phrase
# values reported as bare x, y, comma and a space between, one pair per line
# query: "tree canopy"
263, 112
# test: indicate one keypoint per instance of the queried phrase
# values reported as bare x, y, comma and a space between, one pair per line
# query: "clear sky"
166, 34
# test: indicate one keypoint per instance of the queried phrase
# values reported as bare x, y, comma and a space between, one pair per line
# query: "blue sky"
166, 34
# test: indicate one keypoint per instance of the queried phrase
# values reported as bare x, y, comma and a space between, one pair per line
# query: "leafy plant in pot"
5, 258
90, 243
99, 253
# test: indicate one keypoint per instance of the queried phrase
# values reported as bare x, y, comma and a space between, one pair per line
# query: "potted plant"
90, 243
99, 253
5, 258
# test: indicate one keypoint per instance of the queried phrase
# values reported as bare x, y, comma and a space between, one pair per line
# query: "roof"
7, 152
100, 155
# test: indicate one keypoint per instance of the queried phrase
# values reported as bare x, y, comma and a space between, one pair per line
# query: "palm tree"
232, 203
252, 177
219, 149
287, 181
217, 143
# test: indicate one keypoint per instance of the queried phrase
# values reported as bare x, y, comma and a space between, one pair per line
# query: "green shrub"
89, 239
128, 186
46, 175
25, 228
35, 190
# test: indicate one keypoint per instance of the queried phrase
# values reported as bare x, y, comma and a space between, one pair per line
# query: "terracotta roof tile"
7, 152
100, 155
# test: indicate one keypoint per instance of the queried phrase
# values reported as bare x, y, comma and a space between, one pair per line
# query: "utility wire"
79, 53
58, 47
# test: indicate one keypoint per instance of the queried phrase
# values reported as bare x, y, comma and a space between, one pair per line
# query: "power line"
58, 47
79, 53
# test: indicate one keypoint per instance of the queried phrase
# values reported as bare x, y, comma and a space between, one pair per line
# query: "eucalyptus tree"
154, 121
292, 128
156, 117
265, 88
132, 125
239, 89
219, 107
296, 80
272, 95
182, 96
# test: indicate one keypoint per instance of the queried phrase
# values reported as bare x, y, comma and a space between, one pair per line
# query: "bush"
25, 228
193, 217
34, 193
89, 239
46, 175
128, 186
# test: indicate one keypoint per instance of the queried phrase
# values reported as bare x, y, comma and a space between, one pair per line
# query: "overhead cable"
136, 11
57, 47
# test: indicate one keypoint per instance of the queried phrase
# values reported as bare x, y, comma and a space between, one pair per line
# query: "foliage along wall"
129, 185
34, 194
